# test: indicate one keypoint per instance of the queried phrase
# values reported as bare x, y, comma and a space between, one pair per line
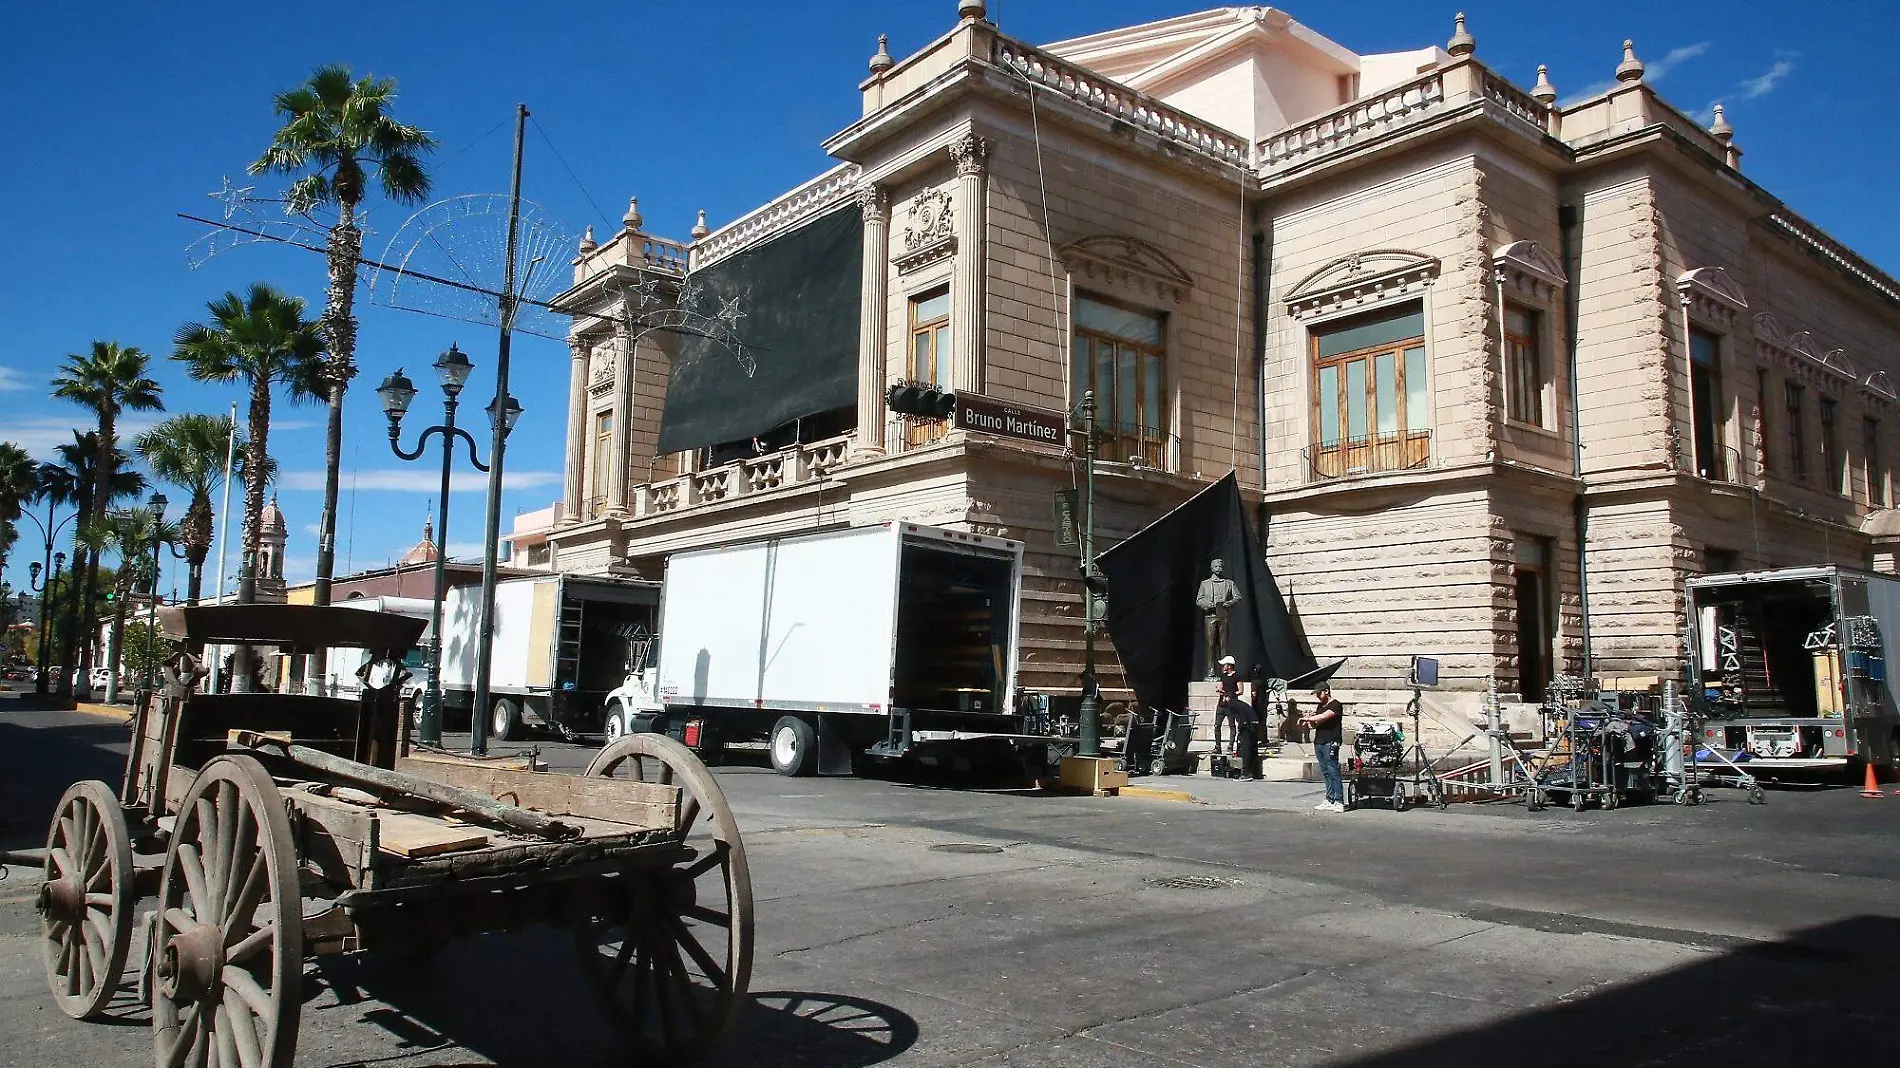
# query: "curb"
105, 711
1157, 794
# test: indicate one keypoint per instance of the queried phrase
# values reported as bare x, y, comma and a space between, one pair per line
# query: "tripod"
1425, 785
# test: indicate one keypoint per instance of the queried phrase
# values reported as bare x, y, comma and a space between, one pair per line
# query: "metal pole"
431, 730
491, 529
1091, 696
46, 594
224, 538
1492, 728
151, 619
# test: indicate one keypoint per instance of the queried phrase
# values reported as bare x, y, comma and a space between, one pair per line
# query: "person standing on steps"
1327, 721
1241, 717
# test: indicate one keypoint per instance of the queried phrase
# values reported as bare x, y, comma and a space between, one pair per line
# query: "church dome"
273, 520
424, 551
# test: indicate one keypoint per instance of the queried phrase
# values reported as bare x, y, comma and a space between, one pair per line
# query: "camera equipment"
1424, 671
1378, 749
1425, 785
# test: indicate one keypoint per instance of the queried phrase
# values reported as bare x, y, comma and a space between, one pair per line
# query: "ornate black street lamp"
397, 392
49, 533
151, 620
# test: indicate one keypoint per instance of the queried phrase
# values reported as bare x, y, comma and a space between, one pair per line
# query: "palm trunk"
244, 667
199, 521
339, 330
69, 608
101, 488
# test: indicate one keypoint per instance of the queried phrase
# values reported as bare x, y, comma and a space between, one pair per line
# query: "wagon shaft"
411, 786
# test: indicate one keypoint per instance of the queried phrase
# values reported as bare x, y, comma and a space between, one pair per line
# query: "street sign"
1065, 518
1026, 423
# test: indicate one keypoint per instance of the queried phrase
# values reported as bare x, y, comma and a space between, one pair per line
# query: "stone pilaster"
574, 491
872, 320
619, 501
971, 154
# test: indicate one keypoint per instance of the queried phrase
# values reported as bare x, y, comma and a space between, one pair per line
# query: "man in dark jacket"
1328, 723
1241, 715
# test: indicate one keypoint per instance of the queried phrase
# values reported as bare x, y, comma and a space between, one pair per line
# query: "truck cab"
634, 705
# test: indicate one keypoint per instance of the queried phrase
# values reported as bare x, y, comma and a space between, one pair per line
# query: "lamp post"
49, 533
397, 391
151, 619
48, 593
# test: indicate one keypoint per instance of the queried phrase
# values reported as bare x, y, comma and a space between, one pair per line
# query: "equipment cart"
274, 827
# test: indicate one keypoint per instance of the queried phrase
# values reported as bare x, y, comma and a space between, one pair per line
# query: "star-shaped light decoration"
234, 198
690, 295
730, 312
647, 291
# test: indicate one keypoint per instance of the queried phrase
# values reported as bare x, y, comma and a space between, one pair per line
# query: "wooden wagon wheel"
656, 977
228, 949
86, 899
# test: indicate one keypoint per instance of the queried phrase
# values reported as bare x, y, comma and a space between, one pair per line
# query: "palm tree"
261, 340
188, 451
335, 132
74, 482
18, 485
136, 533
109, 380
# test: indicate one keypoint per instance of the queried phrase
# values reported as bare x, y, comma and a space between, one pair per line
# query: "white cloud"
313, 529
10, 379
41, 436
418, 480
1765, 83
1657, 70
464, 550
278, 426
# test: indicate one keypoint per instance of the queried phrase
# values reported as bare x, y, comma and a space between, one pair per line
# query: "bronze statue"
1216, 599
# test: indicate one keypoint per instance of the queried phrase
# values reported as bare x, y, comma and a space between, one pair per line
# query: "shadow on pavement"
1823, 996
37, 764
477, 995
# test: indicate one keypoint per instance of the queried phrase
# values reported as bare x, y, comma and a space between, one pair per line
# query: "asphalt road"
910, 923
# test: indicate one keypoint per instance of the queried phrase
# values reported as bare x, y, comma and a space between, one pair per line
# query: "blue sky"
120, 115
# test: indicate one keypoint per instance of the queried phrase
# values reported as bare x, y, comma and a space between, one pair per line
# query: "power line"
598, 210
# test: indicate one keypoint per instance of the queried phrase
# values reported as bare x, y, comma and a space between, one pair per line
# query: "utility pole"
491, 530
1091, 582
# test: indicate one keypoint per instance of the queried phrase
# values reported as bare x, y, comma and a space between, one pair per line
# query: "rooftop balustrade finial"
882, 61
588, 244
1544, 92
1631, 69
632, 218
1461, 43
1720, 127
972, 9
700, 229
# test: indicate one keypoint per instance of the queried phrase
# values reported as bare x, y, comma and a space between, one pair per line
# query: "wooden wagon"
272, 827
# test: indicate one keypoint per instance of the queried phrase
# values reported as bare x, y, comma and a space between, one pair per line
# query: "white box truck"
890, 640
562, 643
1790, 667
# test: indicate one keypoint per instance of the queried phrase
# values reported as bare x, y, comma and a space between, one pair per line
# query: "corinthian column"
966, 288
618, 504
872, 320
575, 488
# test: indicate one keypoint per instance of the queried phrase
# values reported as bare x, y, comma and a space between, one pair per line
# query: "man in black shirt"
1328, 722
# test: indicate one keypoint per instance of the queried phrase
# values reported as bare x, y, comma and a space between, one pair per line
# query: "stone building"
1501, 373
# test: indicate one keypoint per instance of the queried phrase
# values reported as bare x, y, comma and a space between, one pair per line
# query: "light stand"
1425, 784
1092, 586
453, 369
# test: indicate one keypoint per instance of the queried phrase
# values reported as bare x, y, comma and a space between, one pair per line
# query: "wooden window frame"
1409, 446
931, 331
1715, 466
1875, 471
1833, 460
1526, 389
1150, 435
1764, 424
1794, 399
603, 449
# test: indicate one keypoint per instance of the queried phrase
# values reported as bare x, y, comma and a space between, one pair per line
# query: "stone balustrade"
1519, 104
825, 191
1117, 101
1351, 123
742, 478
660, 254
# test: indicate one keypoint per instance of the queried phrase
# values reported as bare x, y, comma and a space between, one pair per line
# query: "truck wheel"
794, 747
505, 723
616, 725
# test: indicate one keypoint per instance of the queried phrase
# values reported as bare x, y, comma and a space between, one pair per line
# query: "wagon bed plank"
634, 804
407, 835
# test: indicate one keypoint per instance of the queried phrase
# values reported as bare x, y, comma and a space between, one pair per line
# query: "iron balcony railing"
1407, 450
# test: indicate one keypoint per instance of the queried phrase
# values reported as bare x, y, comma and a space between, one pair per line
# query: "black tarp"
1152, 581
798, 299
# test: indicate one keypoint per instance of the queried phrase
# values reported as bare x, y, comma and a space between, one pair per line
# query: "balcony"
1382, 454
742, 478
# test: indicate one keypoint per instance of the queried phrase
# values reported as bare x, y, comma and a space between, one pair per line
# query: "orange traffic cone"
1872, 788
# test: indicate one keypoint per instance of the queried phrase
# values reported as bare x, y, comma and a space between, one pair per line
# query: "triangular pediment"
1715, 284
1770, 332
1879, 383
